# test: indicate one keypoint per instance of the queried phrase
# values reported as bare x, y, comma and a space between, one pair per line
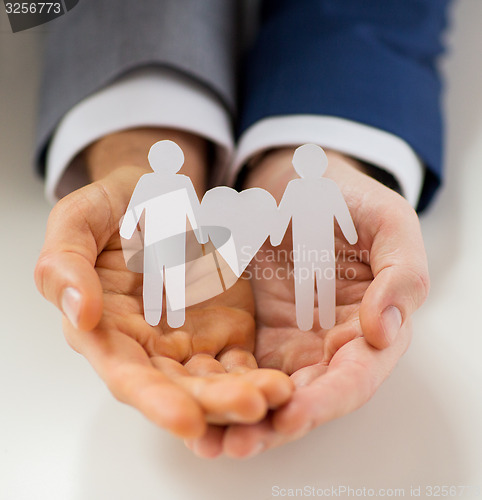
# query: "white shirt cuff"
148, 97
360, 141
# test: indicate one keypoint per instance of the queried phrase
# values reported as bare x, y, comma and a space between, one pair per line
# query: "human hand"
181, 379
381, 281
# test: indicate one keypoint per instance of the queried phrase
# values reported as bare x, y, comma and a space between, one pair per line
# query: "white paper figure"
248, 215
167, 199
312, 203
238, 224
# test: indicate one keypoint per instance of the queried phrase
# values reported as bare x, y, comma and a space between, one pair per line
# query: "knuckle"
420, 286
85, 205
423, 284
42, 271
409, 210
67, 205
403, 211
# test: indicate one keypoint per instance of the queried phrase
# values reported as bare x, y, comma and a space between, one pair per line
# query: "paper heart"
249, 215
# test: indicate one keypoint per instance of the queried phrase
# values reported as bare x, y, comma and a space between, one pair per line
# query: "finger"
237, 360
307, 374
210, 445
226, 398
171, 368
275, 385
246, 441
355, 373
401, 281
78, 228
202, 365
127, 371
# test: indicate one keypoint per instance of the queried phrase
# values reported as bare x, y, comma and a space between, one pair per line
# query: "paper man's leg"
326, 287
152, 292
175, 295
304, 295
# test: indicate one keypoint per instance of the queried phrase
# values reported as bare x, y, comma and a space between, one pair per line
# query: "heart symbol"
248, 215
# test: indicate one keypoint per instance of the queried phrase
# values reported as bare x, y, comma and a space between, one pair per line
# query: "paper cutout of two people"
169, 200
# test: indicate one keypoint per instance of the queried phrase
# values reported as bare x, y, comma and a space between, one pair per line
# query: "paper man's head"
310, 161
166, 157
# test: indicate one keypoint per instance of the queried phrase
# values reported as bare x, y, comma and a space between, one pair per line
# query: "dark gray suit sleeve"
101, 40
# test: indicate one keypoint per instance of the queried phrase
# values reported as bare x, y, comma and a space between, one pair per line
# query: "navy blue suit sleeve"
371, 61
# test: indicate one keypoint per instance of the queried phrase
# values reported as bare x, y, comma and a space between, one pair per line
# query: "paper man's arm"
342, 215
193, 214
132, 216
283, 217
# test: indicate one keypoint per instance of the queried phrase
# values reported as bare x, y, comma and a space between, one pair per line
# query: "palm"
333, 370
206, 371
337, 370
209, 360
280, 344
208, 328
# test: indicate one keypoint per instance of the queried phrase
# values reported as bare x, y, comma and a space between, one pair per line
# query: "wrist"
129, 148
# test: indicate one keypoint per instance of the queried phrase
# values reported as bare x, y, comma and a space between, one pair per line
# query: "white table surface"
62, 435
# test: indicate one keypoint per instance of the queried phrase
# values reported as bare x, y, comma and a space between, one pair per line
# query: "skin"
338, 370
183, 379
229, 365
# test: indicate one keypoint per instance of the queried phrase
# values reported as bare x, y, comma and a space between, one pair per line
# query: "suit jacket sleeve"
370, 61
101, 40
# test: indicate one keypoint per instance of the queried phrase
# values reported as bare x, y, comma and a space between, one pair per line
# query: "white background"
63, 437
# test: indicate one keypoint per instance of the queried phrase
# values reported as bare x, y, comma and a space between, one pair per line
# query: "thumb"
78, 228
69, 281
401, 280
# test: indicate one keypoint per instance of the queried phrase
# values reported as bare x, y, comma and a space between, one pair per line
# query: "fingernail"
301, 432
197, 450
71, 301
391, 322
189, 443
255, 451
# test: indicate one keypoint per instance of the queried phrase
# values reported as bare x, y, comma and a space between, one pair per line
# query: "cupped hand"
181, 379
381, 281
